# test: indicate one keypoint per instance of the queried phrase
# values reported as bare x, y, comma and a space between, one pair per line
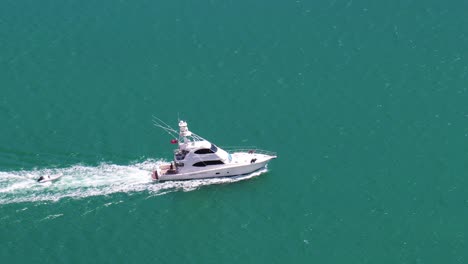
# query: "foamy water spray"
83, 181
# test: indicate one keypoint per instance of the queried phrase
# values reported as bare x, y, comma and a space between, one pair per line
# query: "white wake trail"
83, 181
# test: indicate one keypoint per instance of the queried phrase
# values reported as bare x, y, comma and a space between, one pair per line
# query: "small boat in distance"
49, 178
197, 158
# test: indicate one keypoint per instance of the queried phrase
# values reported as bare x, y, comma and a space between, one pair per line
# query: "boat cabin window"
203, 151
207, 163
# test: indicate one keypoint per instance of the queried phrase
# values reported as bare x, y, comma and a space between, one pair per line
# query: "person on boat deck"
172, 167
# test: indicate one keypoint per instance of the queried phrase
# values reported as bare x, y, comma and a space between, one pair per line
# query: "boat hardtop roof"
194, 145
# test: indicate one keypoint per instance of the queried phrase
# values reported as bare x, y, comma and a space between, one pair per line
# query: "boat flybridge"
197, 158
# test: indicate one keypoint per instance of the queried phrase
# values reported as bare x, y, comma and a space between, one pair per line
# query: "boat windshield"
214, 148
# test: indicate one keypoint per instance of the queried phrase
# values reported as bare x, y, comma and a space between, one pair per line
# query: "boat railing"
251, 149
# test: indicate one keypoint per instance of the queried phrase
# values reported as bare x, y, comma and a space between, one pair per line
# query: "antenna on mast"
161, 124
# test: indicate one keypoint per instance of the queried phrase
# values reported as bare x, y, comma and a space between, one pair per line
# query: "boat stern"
159, 171
155, 174
162, 170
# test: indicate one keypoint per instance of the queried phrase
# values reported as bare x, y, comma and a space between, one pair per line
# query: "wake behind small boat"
197, 158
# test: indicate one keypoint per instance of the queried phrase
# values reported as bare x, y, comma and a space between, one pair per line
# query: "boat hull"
216, 172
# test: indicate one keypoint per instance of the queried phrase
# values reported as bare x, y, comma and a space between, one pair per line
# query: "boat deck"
166, 169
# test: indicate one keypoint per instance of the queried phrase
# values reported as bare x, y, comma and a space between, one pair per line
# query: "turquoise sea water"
364, 101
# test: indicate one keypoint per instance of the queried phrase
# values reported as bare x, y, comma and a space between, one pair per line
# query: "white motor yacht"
197, 158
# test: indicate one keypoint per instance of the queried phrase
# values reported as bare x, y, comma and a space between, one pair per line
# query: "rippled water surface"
364, 101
